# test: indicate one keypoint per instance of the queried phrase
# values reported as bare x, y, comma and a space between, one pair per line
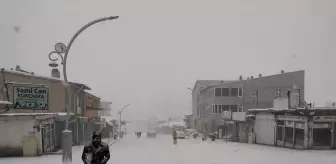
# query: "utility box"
251, 138
29, 146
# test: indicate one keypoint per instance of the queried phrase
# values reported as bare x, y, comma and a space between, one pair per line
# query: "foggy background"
157, 47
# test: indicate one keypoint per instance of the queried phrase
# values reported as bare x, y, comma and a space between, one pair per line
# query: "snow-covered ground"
189, 151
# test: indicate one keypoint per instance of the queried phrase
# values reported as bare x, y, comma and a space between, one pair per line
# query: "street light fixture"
62, 51
120, 112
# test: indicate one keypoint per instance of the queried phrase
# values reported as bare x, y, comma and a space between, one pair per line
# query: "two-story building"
36, 95
224, 105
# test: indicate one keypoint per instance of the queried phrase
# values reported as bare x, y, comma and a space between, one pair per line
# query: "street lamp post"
120, 112
62, 51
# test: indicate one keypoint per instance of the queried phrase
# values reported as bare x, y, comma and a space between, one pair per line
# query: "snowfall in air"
160, 150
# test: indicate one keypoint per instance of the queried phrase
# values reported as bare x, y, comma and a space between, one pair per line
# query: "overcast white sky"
157, 47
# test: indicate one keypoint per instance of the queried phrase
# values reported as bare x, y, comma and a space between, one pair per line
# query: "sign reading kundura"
25, 97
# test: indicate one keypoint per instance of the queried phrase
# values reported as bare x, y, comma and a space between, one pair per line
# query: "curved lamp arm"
77, 34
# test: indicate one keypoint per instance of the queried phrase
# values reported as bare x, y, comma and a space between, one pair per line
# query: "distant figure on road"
138, 134
174, 137
96, 152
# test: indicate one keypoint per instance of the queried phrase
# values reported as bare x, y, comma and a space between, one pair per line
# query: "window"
216, 108
255, 93
240, 92
226, 107
234, 92
234, 108
240, 108
277, 92
220, 109
218, 92
225, 92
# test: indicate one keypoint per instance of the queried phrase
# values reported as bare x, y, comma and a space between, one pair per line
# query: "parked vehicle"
151, 134
180, 134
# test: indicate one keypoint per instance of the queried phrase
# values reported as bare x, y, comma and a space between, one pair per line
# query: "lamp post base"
67, 147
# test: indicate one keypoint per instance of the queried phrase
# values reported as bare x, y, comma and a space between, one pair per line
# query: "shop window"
322, 137
289, 134
299, 136
280, 130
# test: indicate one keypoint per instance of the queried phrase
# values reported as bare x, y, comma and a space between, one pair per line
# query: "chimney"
240, 77
282, 71
55, 73
260, 75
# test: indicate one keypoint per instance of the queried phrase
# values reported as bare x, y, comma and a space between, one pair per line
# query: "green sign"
25, 97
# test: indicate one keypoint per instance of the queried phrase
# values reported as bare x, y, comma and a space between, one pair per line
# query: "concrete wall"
264, 128
13, 130
267, 86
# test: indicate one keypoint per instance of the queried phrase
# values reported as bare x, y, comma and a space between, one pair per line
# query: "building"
106, 108
52, 93
200, 84
188, 121
33, 94
27, 134
223, 106
92, 105
299, 128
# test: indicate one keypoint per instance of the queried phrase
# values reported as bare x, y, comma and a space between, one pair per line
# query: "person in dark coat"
96, 152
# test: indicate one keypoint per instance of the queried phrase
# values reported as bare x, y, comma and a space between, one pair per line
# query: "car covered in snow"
180, 134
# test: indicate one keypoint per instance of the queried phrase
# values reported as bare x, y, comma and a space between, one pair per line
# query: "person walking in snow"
174, 136
96, 152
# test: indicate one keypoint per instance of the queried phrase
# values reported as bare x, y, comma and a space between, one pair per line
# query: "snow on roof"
5, 102
35, 114
269, 110
32, 75
45, 77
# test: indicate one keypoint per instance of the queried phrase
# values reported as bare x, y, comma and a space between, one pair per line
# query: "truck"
151, 127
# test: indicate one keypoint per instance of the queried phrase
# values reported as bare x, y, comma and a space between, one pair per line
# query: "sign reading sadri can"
25, 97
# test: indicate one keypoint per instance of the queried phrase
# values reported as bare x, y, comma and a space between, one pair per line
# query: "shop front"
291, 131
323, 130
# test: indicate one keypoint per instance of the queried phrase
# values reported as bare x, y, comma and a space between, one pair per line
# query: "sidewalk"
75, 148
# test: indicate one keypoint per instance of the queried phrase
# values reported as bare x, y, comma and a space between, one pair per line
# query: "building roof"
35, 114
5, 102
46, 77
247, 80
204, 83
213, 86
273, 110
92, 95
83, 86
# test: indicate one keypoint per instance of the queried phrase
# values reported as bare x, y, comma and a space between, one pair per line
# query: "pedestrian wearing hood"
96, 152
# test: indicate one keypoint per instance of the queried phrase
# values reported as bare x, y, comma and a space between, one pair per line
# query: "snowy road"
161, 151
